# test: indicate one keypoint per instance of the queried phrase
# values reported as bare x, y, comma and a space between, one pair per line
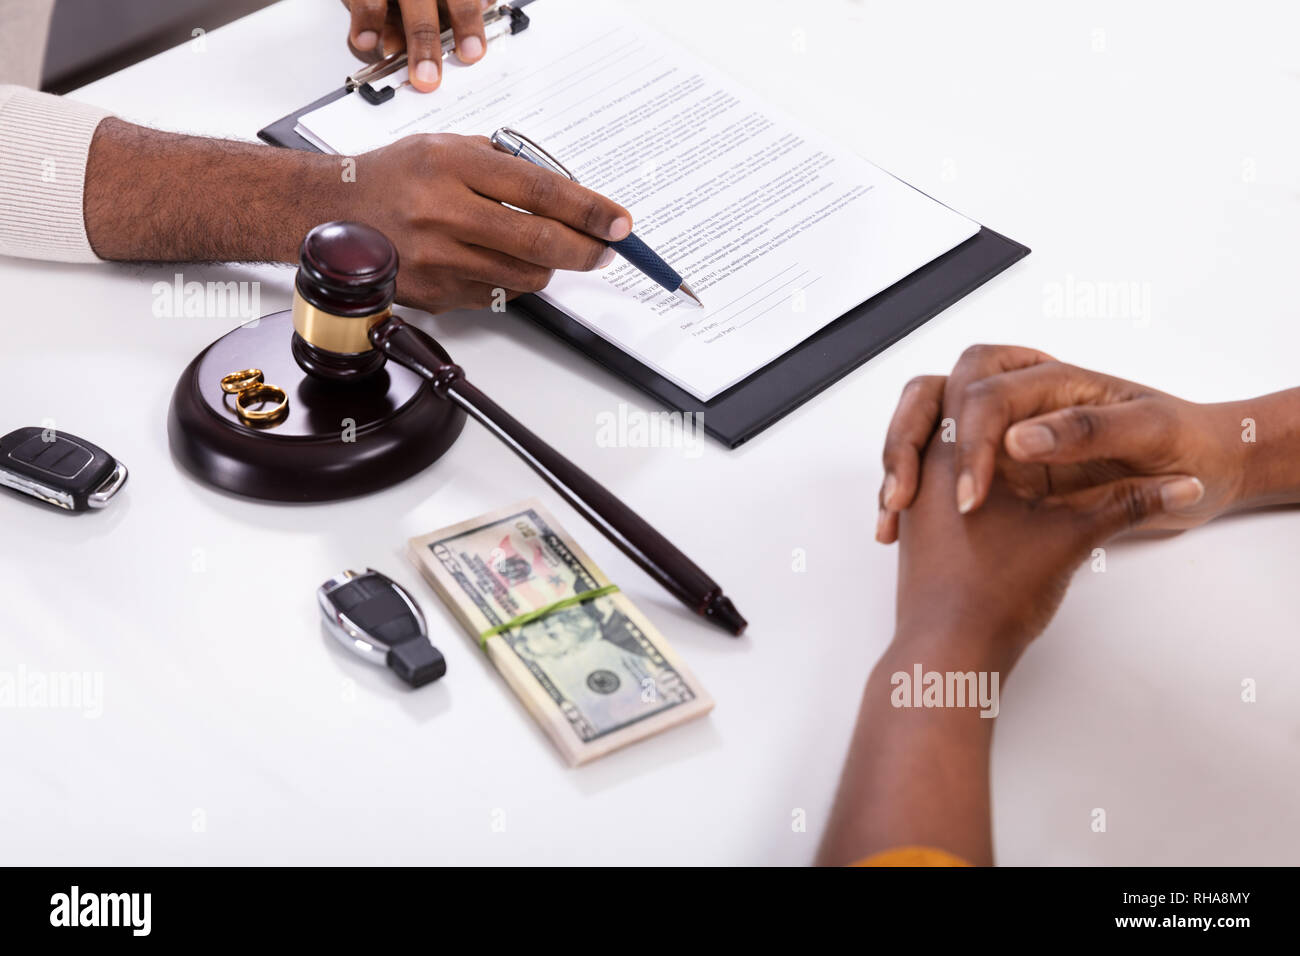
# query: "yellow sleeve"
912, 856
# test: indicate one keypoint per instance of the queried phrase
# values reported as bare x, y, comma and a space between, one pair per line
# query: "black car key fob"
61, 469
374, 617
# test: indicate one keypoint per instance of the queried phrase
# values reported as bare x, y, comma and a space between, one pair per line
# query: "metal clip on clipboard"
501, 20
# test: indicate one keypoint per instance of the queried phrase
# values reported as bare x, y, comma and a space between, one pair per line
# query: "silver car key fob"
59, 469
375, 618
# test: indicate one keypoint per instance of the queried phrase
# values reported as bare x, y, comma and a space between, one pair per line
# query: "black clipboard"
819, 361
778, 388
282, 131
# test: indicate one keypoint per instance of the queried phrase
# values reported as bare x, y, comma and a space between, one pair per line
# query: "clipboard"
778, 388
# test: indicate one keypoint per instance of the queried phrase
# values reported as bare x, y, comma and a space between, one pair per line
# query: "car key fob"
60, 469
374, 617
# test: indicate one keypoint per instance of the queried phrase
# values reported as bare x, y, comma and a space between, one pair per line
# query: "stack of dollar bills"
589, 666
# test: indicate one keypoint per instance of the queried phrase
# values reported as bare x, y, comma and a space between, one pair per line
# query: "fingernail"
427, 72
1032, 440
881, 518
471, 48
367, 39
1181, 493
620, 228
887, 496
965, 492
606, 258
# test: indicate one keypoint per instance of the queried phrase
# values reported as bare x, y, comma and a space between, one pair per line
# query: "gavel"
344, 332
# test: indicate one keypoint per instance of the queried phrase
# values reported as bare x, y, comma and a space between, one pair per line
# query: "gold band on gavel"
333, 333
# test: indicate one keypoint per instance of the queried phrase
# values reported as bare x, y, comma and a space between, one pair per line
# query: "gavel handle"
409, 346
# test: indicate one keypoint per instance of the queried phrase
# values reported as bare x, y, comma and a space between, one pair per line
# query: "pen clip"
555, 164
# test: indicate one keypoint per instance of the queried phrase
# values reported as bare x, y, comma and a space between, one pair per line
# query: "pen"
632, 249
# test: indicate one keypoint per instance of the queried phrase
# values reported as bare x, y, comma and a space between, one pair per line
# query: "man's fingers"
393, 39
423, 43
910, 429
1132, 503
366, 31
466, 18
518, 182
535, 239
987, 407
1134, 432
502, 271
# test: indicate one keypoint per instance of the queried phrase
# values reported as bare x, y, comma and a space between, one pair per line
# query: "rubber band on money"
542, 612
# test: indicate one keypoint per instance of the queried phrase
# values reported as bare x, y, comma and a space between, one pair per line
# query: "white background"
1152, 143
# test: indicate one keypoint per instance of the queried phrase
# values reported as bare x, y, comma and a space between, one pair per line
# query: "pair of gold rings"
256, 402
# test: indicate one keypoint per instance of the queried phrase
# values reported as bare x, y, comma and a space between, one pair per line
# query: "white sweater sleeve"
44, 144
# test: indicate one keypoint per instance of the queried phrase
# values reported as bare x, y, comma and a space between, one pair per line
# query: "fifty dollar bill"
596, 675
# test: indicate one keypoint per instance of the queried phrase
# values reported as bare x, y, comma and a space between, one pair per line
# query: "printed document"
779, 230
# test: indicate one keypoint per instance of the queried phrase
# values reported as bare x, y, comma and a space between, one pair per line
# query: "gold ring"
256, 394
236, 382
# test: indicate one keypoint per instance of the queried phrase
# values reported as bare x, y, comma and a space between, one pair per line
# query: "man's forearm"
166, 197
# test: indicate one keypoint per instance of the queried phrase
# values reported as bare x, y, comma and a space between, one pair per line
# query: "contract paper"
777, 229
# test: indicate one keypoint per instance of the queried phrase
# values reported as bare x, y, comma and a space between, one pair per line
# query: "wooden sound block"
338, 440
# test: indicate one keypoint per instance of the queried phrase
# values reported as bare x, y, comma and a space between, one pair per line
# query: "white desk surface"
1153, 144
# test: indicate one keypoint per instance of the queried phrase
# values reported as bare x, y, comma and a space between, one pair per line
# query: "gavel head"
347, 277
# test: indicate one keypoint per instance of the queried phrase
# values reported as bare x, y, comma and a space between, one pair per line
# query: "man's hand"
439, 198
163, 197
381, 27
1050, 428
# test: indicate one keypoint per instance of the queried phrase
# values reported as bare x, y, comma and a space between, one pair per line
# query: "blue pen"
632, 249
